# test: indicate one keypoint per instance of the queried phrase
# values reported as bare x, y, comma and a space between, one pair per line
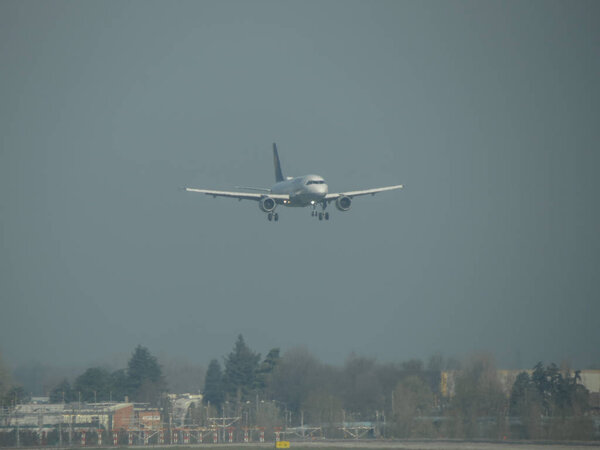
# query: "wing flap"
373, 191
239, 195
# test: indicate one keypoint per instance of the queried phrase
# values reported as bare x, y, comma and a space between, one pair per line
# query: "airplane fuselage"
303, 191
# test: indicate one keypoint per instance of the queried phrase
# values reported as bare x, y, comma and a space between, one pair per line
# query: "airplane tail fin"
278, 173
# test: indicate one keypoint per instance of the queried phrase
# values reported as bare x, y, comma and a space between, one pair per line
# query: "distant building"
97, 415
181, 405
591, 380
147, 419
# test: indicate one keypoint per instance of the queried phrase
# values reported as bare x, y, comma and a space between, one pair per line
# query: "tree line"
141, 381
403, 399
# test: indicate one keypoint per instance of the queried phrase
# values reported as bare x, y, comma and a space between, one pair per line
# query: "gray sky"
488, 112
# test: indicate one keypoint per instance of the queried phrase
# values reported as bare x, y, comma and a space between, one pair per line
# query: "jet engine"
267, 204
343, 203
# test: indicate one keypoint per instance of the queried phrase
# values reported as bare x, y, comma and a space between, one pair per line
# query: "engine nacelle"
267, 204
343, 203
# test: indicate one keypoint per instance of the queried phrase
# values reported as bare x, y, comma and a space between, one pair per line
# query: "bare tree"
479, 405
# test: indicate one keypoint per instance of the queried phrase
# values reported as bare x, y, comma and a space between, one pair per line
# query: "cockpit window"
315, 182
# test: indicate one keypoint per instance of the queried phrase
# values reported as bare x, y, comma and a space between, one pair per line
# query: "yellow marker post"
282, 444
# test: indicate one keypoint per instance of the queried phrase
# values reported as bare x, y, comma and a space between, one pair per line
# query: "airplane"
308, 190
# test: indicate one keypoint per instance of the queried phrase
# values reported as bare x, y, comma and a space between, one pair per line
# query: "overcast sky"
488, 113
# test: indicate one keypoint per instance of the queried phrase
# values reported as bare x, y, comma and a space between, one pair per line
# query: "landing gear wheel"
276, 217
270, 216
320, 216
326, 216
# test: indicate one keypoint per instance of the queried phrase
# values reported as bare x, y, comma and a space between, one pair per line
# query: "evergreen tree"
144, 376
542, 379
16, 395
526, 403
93, 385
266, 368
62, 392
523, 394
213, 385
241, 366
119, 385
554, 393
560, 393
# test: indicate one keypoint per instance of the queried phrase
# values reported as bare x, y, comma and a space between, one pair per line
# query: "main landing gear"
320, 215
273, 216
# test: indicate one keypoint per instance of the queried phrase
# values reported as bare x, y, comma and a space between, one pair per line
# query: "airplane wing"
351, 194
279, 198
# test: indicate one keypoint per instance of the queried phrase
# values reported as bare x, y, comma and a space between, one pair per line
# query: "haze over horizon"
487, 112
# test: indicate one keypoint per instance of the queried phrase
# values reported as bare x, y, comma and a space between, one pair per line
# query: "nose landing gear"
273, 216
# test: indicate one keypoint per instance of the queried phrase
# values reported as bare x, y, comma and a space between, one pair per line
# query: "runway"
408, 445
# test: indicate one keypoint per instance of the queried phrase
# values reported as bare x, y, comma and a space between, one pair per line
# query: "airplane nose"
319, 189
